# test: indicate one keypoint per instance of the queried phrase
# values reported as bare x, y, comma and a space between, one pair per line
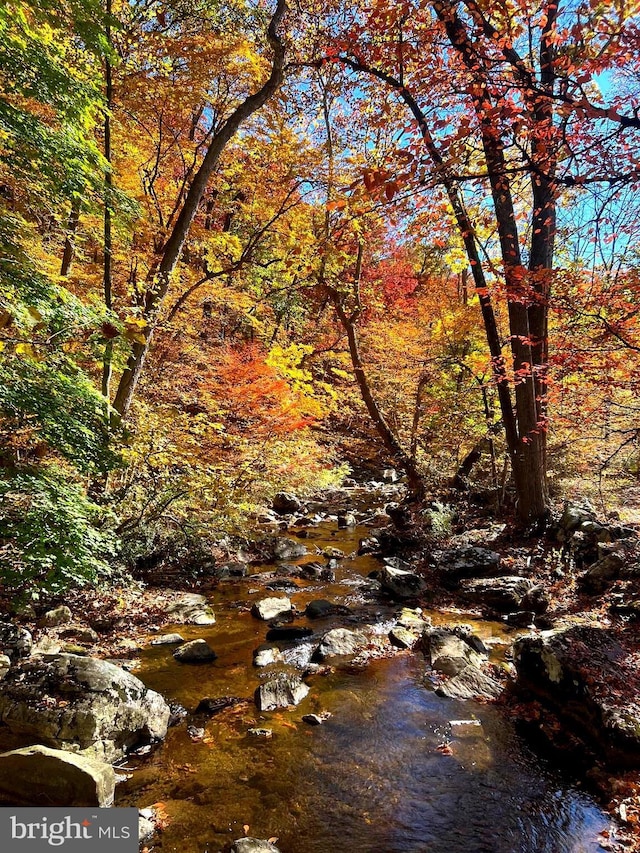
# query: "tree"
504, 108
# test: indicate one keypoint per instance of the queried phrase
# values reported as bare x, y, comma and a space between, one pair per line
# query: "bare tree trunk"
107, 272
69, 250
173, 247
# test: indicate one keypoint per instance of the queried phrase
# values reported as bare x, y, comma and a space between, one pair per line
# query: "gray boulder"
266, 654
401, 584
339, 642
504, 594
5, 665
253, 845
285, 503
455, 564
280, 692
590, 680
167, 639
603, 573
81, 703
402, 638
38, 775
449, 653
190, 608
470, 683
15, 642
58, 616
195, 651
288, 549
271, 608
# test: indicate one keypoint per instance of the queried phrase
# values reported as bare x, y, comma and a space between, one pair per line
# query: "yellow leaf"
26, 350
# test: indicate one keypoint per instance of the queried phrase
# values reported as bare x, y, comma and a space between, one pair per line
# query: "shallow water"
371, 778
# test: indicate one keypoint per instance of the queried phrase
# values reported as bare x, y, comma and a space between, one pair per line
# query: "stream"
371, 777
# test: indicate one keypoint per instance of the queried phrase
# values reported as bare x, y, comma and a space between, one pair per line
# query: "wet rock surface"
280, 692
81, 703
39, 775
591, 680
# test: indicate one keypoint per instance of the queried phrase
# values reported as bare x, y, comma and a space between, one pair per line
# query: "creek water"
372, 776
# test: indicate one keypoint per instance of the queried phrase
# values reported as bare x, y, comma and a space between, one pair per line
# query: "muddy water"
372, 777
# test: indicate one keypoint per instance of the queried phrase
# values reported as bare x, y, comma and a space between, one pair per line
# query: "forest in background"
245, 245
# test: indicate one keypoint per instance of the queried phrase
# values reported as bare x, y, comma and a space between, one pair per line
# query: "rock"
210, 707
401, 584
146, 828
333, 554
520, 619
5, 665
260, 732
339, 642
288, 632
288, 549
285, 503
41, 776
266, 654
15, 642
470, 683
280, 692
346, 520
196, 733
320, 608
504, 594
402, 638
537, 599
574, 515
80, 633
167, 639
191, 609
58, 616
271, 608
282, 585
590, 681
195, 651
253, 845
601, 574
449, 653
316, 719
232, 570
371, 545
81, 703
454, 564
177, 712
413, 619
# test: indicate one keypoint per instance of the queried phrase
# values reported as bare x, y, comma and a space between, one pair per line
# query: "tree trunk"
107, 271
69, 251
173, 247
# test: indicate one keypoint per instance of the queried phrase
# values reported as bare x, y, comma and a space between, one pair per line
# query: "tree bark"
69, 251
173, 247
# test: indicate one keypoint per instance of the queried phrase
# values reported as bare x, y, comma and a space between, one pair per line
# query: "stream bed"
386, 772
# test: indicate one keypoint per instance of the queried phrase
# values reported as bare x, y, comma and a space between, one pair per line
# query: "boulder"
58, 616
371, 545
414, 620
195, 651
454, 564
470, 683
285, 503
5, 665
288, 549
339, 642
81, 703
271, 608
346, 520
253, 845
449, 653
288, 632
266, 654
267, 734
167, 640
401, 584
320, 608
280, 692
15, 642
402, 638
191, 609
504, 594
41, 776
211, 707
575, 515
603, 573
590, 681
80, 633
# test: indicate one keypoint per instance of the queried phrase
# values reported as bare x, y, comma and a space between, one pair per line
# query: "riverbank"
309, 555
